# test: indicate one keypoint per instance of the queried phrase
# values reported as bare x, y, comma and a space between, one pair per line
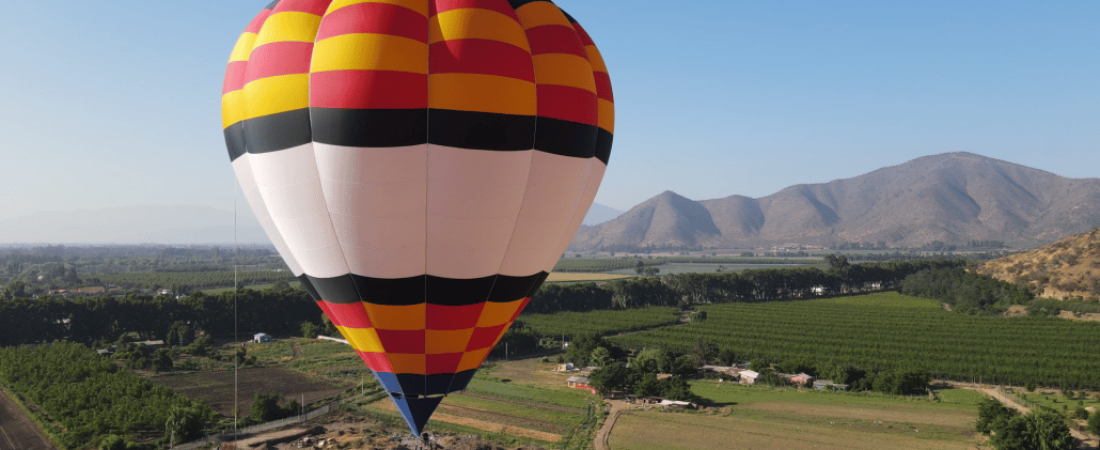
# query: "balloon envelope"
420, 165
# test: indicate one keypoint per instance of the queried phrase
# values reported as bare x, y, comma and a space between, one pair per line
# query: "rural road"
1089, 441
603, 437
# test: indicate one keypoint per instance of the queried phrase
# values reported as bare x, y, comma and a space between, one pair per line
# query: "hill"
1065, 269
951, 197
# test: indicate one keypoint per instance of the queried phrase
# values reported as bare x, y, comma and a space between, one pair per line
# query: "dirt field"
653, 430
17, 432
485, 421
216, 388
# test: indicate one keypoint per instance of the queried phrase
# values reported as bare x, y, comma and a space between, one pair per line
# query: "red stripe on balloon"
377, 18
555, 39
442, 363
500, 6
279, 58
603, 86
316, 7
258, 22
234, 76
482, 57
484, 337
376, 361
402, 341
348, 315
585, 38
442, 317
368, 89
567, 103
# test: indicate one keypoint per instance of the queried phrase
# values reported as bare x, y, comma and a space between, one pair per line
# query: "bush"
1094, 423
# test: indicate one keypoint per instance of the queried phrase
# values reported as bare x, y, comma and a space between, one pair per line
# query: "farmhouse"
801, 379
578, 383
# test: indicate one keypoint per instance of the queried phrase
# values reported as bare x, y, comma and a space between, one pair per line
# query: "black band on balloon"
370, 127
603, 146
415, 290
516, 4
234, 141
481, 131
562, 137
278, 131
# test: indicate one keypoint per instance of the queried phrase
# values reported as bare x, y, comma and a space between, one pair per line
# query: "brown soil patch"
17, 432
1084, 317
1016, 311
495, 426
216, 388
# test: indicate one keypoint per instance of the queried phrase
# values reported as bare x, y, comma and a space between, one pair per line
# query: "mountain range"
951, 197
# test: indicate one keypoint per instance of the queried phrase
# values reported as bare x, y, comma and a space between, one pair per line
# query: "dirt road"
1089, 441
603, 437
17, 432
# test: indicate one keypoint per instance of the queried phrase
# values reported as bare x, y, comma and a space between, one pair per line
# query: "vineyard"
187, 281
599, 322
600, 265
891, 331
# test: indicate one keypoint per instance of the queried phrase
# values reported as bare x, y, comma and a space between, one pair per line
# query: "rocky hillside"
1063, 270
952, 197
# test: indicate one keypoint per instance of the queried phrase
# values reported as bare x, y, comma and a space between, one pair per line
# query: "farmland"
891, 331
216, 388
765, 418
599, 322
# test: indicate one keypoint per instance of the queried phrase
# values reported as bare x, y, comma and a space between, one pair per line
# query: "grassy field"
765, 418
675, 268
255, 287
561, 277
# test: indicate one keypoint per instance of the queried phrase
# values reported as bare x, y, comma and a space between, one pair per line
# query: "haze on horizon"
117, 105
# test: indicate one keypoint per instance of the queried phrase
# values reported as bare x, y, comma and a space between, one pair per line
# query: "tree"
265, 406
184, 424
993, 416
113, 442
1034, 431
280, 285
1094, 423
309, 330
612, 377
162, 360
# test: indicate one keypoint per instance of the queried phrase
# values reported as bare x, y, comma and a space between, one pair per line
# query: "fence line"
223, 437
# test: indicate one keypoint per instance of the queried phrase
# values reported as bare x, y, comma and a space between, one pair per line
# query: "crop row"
881, 331
600, 323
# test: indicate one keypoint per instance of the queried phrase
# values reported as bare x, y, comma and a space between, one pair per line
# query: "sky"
118, 103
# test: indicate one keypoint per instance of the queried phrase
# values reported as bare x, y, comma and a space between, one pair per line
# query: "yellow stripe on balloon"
362, 339
472, 360
277, 94
481, 93
368, 51
498, 313
564, 70
233, 104
595, 59
243, 49
290, 26
420, 6
398, 317
472, 23
607, 115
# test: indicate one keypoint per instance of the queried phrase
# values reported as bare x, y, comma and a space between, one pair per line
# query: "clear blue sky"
118, 103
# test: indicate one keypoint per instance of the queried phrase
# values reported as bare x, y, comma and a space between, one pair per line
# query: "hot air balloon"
420, 165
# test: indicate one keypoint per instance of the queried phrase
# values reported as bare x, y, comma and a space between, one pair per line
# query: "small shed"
567, 367
748, 376
261, 337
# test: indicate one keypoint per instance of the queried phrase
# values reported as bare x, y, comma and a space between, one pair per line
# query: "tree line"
746, 286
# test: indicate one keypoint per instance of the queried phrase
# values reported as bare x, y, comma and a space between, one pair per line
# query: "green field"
890, 331
601, 323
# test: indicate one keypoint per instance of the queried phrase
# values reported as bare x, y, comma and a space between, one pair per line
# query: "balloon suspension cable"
236, 354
